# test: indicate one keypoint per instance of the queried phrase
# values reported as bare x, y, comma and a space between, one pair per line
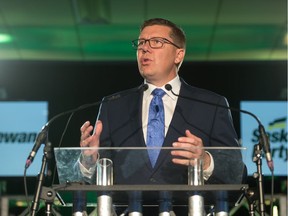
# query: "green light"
5, 38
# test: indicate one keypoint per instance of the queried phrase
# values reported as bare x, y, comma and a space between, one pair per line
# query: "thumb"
188, 133
98, 129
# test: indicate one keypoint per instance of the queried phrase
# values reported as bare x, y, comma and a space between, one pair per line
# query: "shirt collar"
175, 83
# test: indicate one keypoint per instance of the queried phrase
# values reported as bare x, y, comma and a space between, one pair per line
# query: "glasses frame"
161, 39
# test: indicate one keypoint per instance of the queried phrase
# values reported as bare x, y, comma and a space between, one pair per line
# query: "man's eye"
141, 43
156, 41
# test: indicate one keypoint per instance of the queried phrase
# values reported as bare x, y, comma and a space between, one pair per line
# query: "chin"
146, 71
146, 75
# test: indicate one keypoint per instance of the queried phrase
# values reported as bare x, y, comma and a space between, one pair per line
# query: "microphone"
264, 139
42, 136
157, 108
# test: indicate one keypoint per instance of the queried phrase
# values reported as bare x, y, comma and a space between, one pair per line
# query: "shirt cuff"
208, 172
87, 172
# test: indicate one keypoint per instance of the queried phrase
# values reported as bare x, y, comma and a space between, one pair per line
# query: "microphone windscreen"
144, 87
168, 87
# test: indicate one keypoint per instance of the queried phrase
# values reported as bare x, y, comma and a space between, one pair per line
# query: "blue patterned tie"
156, 128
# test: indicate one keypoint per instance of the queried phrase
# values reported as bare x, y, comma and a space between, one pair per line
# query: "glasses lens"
138, 43
135, 44
156, 42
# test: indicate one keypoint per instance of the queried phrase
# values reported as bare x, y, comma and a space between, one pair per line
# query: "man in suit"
124, 121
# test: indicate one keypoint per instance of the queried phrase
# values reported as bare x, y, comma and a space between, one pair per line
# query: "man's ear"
179, 56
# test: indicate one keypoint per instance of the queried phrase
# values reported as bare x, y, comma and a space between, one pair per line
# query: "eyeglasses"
155, 43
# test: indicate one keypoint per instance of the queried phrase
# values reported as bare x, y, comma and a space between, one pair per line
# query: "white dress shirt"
169, 102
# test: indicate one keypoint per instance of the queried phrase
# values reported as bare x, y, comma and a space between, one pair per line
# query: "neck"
160, 82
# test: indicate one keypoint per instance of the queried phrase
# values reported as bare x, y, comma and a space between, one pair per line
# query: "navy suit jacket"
122, 127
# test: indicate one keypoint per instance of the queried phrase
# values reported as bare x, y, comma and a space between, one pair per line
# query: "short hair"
177, 34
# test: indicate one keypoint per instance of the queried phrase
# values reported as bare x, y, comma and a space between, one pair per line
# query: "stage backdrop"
20, 123
273, 115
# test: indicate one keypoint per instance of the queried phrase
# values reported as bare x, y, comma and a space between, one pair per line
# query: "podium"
132, 174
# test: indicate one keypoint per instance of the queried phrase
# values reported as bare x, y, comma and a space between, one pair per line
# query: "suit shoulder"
202, 93
121, 94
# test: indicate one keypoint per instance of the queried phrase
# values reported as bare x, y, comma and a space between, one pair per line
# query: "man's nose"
146, 46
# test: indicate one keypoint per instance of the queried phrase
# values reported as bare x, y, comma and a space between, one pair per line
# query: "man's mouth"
145, 61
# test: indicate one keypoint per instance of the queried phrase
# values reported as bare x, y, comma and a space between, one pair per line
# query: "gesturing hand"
88, 140
192, 148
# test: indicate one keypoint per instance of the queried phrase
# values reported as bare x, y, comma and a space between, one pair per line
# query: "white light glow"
5, 38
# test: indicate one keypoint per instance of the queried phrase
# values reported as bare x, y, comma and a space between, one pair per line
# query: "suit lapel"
135, 107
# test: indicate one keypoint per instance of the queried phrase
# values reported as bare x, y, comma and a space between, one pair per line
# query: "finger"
83, 130
87, 133
188, 140
187, 150
192, 142
181, 161
187, 146
88, 141
91, 141
84, 127
185, 154
98, 128
189, 134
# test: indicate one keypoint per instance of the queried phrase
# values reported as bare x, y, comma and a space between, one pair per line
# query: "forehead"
155, 31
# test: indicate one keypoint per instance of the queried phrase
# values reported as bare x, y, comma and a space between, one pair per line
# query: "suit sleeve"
228, 163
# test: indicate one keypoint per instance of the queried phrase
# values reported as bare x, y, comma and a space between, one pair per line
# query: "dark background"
67, 85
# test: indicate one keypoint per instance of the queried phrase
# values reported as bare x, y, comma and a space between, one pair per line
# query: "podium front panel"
132, 172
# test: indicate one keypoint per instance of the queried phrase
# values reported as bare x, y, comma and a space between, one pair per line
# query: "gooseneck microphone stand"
250, 194
42, 192
257, 158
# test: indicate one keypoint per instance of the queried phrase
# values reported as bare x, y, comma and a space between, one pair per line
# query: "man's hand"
192, 148
88, 140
